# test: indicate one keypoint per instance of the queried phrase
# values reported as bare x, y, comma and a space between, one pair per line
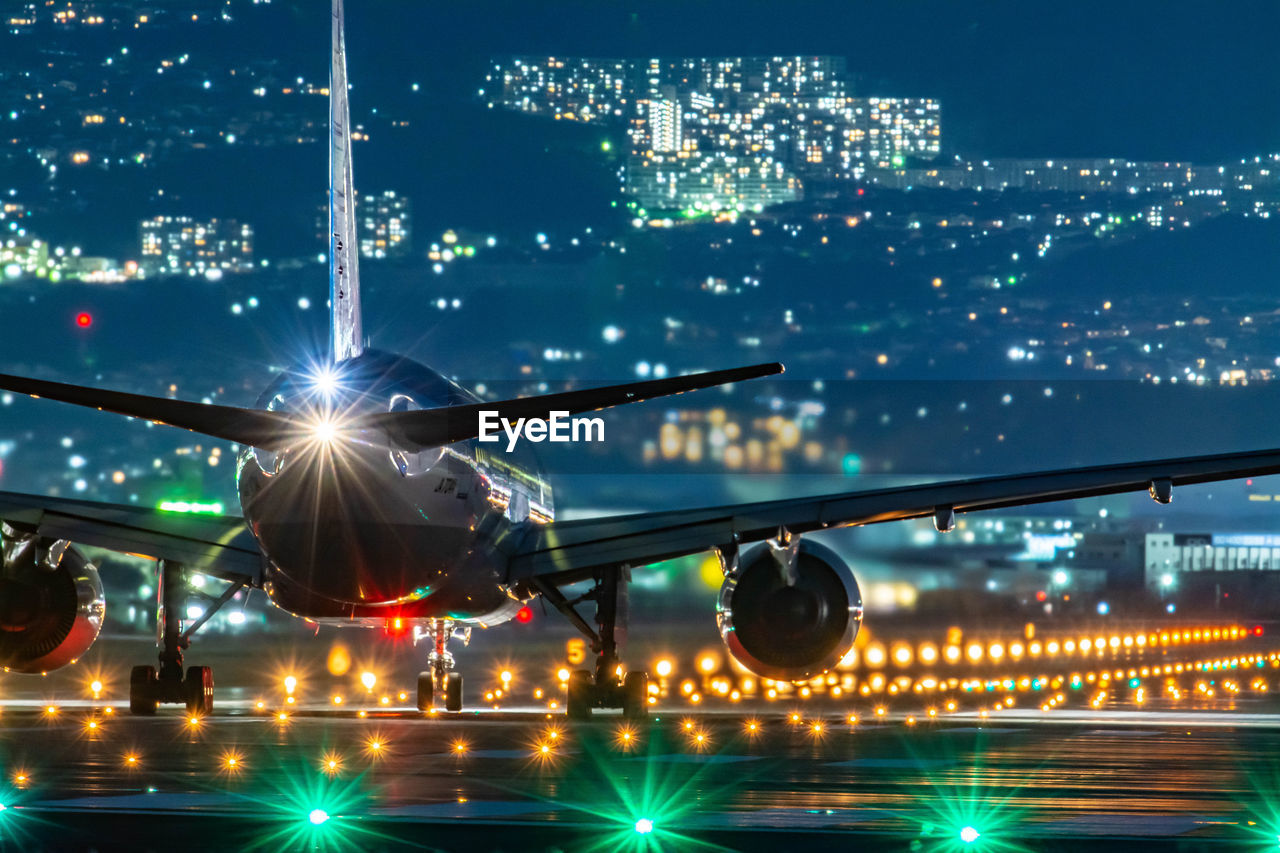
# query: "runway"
526, 780
1194, 765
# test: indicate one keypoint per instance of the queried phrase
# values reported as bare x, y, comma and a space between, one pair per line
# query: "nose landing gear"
440, 661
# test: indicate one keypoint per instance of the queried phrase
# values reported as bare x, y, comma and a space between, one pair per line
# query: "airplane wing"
217, 545
571, 549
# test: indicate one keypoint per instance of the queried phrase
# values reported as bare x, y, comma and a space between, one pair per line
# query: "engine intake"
789, 632
51, 603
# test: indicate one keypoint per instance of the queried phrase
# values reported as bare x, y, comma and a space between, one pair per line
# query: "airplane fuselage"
353, 528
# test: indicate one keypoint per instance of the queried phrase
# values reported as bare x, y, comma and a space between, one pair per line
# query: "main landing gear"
441, 674
149, 686
607, 687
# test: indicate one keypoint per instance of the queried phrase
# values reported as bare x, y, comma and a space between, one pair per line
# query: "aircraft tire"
581, 695
635, 695
142, 691
453, 692
198, 687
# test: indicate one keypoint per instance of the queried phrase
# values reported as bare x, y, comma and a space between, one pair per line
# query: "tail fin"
347, 336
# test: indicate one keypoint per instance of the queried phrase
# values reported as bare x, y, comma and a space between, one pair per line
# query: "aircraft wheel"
635, 695
453, 692
198, 687
142, 691
581, 696
426, 691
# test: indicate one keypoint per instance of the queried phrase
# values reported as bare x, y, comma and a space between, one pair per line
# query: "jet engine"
789, 613
51, 602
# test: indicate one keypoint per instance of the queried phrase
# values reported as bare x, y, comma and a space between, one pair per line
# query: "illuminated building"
180, 244
21, 256
1167, 555
384, 222
385, 225
711, 183
725, 133
1077, 174
577, 89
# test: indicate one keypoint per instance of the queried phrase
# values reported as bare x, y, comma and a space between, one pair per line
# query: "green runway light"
644, 826
214, 508
969, 835
318, 816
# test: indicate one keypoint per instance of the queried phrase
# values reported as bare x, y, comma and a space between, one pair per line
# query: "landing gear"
142, 692
441, 674
607, 687
149, 686
426, 691
453, 692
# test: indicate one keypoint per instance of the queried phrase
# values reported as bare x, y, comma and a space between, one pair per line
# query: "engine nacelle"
789, 632
51, 603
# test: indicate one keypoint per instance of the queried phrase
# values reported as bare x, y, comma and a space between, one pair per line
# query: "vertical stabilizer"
347, 337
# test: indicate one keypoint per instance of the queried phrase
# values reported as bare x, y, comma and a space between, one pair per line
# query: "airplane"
369, 499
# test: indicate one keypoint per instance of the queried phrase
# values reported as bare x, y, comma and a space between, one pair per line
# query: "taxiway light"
318, 816
644, 826
969, 835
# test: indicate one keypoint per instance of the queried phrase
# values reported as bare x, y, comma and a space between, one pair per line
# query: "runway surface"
515, 780
1195, 773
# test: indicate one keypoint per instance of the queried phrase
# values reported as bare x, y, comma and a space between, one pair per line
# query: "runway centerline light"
318, 816
644, 826
969, 835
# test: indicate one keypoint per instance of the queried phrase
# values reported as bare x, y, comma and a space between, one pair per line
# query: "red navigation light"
861, 190
524, 614
396, 625
1041, 595
1257, 630
84, 319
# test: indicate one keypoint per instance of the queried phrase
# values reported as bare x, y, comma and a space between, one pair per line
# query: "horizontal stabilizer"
251, 427
409, 430
436, 427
